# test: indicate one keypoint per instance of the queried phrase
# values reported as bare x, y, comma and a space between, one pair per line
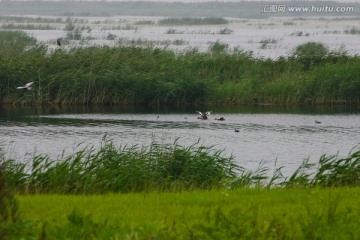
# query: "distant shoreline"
242, 9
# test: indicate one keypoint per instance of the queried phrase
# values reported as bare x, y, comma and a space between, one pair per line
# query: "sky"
341, 1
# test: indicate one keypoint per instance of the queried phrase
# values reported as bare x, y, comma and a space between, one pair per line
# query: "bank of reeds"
147, 75
165, 167
168, 167
193, 21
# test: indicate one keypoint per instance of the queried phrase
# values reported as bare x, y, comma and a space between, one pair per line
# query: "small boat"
203, 116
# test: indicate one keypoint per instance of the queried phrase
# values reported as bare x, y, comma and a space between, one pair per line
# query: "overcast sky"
342, 1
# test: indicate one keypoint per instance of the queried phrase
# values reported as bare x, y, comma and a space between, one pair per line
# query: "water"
285, 136
283, 34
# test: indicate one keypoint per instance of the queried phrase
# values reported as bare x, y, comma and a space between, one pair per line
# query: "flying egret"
27, 86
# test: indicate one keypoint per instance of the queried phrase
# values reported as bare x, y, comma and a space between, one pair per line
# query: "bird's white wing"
199, 112
28, 84
20, 87
208, 113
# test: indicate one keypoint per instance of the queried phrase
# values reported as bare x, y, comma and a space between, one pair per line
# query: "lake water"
266, 134
265, 38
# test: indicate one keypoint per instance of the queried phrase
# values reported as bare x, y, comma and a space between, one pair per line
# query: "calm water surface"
266, 134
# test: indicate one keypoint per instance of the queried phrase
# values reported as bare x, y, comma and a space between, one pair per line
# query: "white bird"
28, 86
204, 116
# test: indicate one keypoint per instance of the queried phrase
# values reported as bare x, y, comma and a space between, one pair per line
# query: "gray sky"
341, 1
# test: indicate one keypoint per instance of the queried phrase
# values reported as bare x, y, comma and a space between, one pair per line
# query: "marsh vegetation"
133, 74
165, 196
165, 167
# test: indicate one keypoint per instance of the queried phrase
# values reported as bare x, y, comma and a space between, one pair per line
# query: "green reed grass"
166, 167
137, 73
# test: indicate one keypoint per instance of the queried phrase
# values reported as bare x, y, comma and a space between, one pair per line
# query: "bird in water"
58, 42
220, 119
318, 122
237, 130
203, 116
27, 86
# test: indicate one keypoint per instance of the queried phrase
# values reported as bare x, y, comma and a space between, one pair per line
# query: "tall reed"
149, 76
168, 167
165, 167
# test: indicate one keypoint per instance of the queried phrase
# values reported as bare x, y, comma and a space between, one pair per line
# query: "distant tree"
310, 54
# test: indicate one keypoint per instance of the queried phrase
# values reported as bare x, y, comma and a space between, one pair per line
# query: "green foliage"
310, 54
218, 48
14, 42
166, 167
159, 167
338, 171
130, 74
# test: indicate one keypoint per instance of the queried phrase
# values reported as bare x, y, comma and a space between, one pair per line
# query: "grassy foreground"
330, 213
175, 192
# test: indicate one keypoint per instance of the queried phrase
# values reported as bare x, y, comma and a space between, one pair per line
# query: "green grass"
331, 213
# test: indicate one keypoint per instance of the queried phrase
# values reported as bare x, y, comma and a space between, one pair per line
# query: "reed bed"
168, 167
165, 167
146, 75
193, 21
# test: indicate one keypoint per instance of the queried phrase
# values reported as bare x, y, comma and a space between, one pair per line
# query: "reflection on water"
269, 134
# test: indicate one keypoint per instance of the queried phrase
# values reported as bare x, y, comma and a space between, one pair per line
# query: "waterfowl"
237, 130
58, 42
220, 119
318, 122
27, 86
203, 116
